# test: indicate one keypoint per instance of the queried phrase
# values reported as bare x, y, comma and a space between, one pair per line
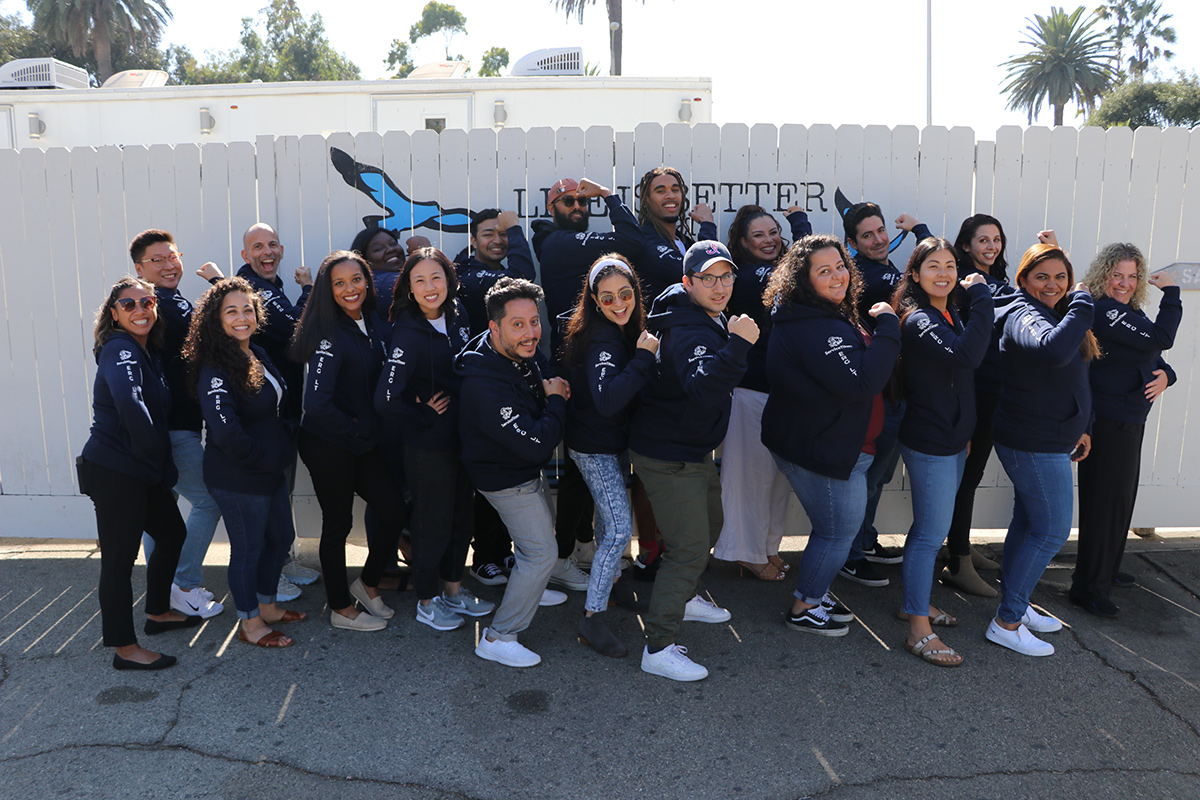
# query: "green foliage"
1159, 104
18, 40
399, 60
92, 27
295, 49
440, 18
1069, 61
1140, 27
494, 60
574, 8
129, 50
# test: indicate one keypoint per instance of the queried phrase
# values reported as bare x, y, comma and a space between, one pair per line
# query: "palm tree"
71, 23
1135, 24
1070, 60
614, 26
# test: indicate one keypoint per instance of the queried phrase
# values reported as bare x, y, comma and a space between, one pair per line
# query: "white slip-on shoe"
552, 597
1020, 640
1040, 623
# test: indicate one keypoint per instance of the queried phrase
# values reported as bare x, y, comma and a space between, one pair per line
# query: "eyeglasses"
128, 304
568, 201
608, 298
709, 281
158, 261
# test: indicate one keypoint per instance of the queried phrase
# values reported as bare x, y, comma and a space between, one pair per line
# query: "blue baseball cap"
704, 254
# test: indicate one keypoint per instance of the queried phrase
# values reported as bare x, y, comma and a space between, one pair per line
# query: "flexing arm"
1032, 334
927, 334
708, 367
614, 383
1116, 322
848, 371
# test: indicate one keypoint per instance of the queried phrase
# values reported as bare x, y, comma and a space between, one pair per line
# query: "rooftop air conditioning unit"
440, 69
550, 61
136, 79
42, 73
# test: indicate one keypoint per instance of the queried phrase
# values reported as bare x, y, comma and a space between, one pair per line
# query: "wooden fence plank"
1089, 189
316, 240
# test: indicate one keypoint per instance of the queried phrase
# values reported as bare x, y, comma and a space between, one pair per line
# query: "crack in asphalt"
182, 748
888, 780
1145, 557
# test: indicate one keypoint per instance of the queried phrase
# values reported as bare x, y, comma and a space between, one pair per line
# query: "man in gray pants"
512, 418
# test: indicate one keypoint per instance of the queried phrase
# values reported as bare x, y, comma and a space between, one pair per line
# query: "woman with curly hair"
337, 336
1126, 379
945, 329
126, 469
822, 360
243, 398
754, 494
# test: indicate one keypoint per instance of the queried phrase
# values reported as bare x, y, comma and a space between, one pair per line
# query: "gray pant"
526, 512
687, 507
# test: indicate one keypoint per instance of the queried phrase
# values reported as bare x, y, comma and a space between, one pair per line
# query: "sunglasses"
608, 298
158, 261
568, 201
128, 304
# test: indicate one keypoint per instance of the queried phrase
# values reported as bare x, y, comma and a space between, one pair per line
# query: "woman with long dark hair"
1040, 427
419, 389
610, 355
824, 410
939, 354
337, 336
980, 247
754, 493
249, 449
1126, 379
126, 469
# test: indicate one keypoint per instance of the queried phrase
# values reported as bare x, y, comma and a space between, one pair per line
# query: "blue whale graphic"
843, 205
400, 212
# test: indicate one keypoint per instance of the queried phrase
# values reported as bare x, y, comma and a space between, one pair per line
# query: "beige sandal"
921, 649
764, 572
779, 563
941, 619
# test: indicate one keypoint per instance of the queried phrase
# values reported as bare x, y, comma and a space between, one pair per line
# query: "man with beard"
666, 235
495, 236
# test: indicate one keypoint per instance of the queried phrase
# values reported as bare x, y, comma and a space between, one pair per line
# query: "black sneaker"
815, 620
489, 574
882, 554
835, 610
862, 571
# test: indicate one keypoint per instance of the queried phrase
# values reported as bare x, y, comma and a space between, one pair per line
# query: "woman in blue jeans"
610, 356
1040, 427
243, 399
945, 330
824, 409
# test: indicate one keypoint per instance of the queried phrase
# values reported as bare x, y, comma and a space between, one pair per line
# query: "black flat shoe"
1101, 606
154, 626
626, 596
1123, 580
162, 662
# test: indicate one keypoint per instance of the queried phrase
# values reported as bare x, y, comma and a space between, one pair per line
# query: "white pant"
754, 492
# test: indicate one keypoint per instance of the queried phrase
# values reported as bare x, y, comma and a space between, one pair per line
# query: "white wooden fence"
66, 218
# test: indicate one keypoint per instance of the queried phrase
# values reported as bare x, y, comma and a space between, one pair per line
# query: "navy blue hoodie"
420, 363
660, 262
1132, 348
339, 392
824, 381
881, 279
685, 407
1046, 405
604, 391
475, 278
130, 404
276, 336
938, 361
748, 288
508, 429
989, 377
249, 441
175, 311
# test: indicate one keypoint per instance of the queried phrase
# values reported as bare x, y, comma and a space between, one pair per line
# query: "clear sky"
777, 61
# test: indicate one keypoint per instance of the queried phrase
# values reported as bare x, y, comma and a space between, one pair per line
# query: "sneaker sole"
988, 635
470, 613
574, 587
680, 678
844, 618
865, 581
302, 581
885, 559
359, 630
431, 624
499, 580
188, 611
490, 657
710, 620
832, 633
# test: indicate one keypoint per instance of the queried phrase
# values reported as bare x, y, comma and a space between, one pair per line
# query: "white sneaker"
193, 602
585, 553
1020, 640
1040, 623
299, 574
672, 662
286, 591
698, 609
551, 597
566, 573
510, 654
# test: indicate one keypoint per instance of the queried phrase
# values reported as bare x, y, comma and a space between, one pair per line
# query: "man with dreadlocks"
663, 216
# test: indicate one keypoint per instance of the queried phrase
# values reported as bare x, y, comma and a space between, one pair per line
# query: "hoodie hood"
675, 307
794, 312
541, 229
480, 360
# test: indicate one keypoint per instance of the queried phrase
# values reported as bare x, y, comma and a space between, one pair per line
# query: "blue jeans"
835, 510
1040, 525
934, 481
525, 510
887, 455
604, 475
260, 533
188, 455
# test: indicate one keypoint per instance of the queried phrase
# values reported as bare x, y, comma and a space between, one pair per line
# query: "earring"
599, 310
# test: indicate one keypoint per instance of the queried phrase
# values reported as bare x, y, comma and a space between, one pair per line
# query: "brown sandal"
941, 619
921, 649
764, 572
271, 639
779, 563
290, 615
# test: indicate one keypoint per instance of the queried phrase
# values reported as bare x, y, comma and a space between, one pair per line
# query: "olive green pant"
686, 497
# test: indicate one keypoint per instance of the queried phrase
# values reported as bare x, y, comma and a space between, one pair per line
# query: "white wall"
68, 217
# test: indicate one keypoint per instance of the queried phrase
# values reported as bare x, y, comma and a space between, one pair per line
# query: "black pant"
338, 475
125, 507
391, 444
959, 539
575, 508
442, 519
492, 543
1108, 484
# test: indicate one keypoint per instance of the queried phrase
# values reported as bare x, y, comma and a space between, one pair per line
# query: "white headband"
606, 262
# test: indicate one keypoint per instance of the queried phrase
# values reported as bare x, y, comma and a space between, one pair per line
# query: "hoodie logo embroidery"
506, 413
699, 351
663, 249
125, 355
605, 355
267, 295
184, 305
325, 344
1113, 314
763, 272
834, 341
397, 354
217, 383
463, 334
923, 323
